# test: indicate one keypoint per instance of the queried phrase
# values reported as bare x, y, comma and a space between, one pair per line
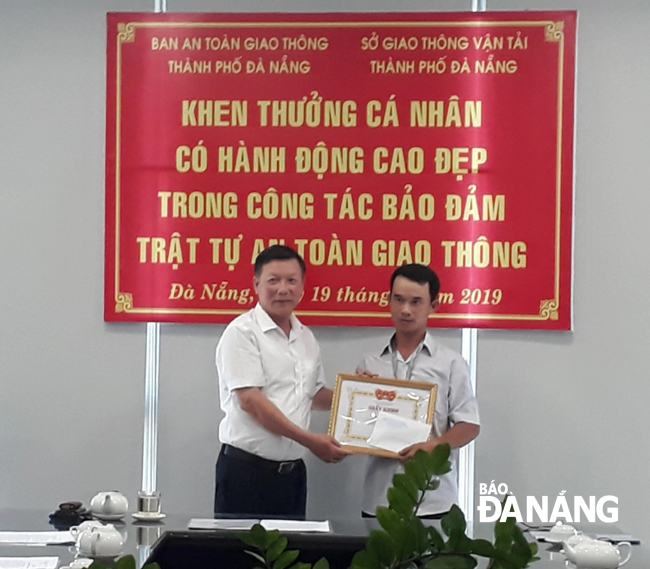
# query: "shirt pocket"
310, 372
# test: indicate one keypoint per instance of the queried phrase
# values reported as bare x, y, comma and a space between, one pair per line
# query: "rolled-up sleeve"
463, 407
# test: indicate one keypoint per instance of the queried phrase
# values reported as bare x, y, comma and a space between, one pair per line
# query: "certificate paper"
360, 400
394, 433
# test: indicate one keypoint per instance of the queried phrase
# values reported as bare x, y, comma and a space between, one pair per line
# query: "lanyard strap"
409, 365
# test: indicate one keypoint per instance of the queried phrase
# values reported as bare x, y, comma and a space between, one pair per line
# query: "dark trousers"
251, 486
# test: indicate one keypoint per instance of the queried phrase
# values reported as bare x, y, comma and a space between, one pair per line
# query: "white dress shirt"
255, 352
455, 403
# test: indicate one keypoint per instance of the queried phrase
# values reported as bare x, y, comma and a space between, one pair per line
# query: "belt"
281, 467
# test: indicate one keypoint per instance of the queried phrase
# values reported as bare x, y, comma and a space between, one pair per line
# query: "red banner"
364, 141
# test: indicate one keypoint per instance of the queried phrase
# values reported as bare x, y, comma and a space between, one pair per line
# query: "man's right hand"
327, 448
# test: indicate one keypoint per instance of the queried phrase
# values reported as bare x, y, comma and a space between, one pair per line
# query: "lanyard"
410, 364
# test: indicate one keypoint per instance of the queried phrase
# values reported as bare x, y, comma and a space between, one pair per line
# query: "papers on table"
243, 525
36, 537
288, 526
297, 525
29, 562
394, 433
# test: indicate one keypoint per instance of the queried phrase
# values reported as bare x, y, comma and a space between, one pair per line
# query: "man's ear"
435, 305
256, 281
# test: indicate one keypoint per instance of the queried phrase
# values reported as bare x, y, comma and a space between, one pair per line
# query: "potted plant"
404, 542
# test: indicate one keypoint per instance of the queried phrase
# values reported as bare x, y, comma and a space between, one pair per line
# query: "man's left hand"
409, 452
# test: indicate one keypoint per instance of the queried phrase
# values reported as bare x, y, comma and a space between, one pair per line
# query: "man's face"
279, 287
410, 306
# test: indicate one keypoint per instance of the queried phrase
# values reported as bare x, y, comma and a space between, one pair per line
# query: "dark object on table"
224, 550
69, 514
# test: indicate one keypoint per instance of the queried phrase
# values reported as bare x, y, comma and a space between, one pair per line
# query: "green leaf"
248, 539
434, 484
405, 482
256, 556
381, 545
389, 520
127, 562
437, 461
464, 543
364, 560
406, 542
419, 532
454, 521
151, 566
518, 537
322, 563
435, 539
286, 559
415, 470
502, 536
259, 537
482, 547
452, 562
400, 501
441, 453
272, 537
300, 565
276, 548
97, 565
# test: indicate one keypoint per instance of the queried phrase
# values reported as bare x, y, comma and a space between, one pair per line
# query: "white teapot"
560, 532
104, 541
85, 526
594, 554
577, 538
109, 505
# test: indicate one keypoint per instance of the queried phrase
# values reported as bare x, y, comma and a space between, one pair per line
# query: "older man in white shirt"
270, 378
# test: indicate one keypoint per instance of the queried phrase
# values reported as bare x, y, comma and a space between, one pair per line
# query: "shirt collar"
429, 345
267, 323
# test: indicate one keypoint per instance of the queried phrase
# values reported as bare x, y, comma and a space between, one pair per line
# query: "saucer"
148, 516
109, 517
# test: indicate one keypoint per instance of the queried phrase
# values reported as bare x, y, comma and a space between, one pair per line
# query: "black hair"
420, 274
278, 253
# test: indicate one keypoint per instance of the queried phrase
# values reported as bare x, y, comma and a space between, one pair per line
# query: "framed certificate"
360, 401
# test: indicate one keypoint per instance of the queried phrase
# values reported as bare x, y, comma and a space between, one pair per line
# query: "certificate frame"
358, 399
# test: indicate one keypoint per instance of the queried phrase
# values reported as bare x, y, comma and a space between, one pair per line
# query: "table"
347, 534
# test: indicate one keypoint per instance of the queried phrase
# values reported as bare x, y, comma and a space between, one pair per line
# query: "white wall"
560, 411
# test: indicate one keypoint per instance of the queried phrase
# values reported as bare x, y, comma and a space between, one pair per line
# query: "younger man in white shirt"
413, 354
